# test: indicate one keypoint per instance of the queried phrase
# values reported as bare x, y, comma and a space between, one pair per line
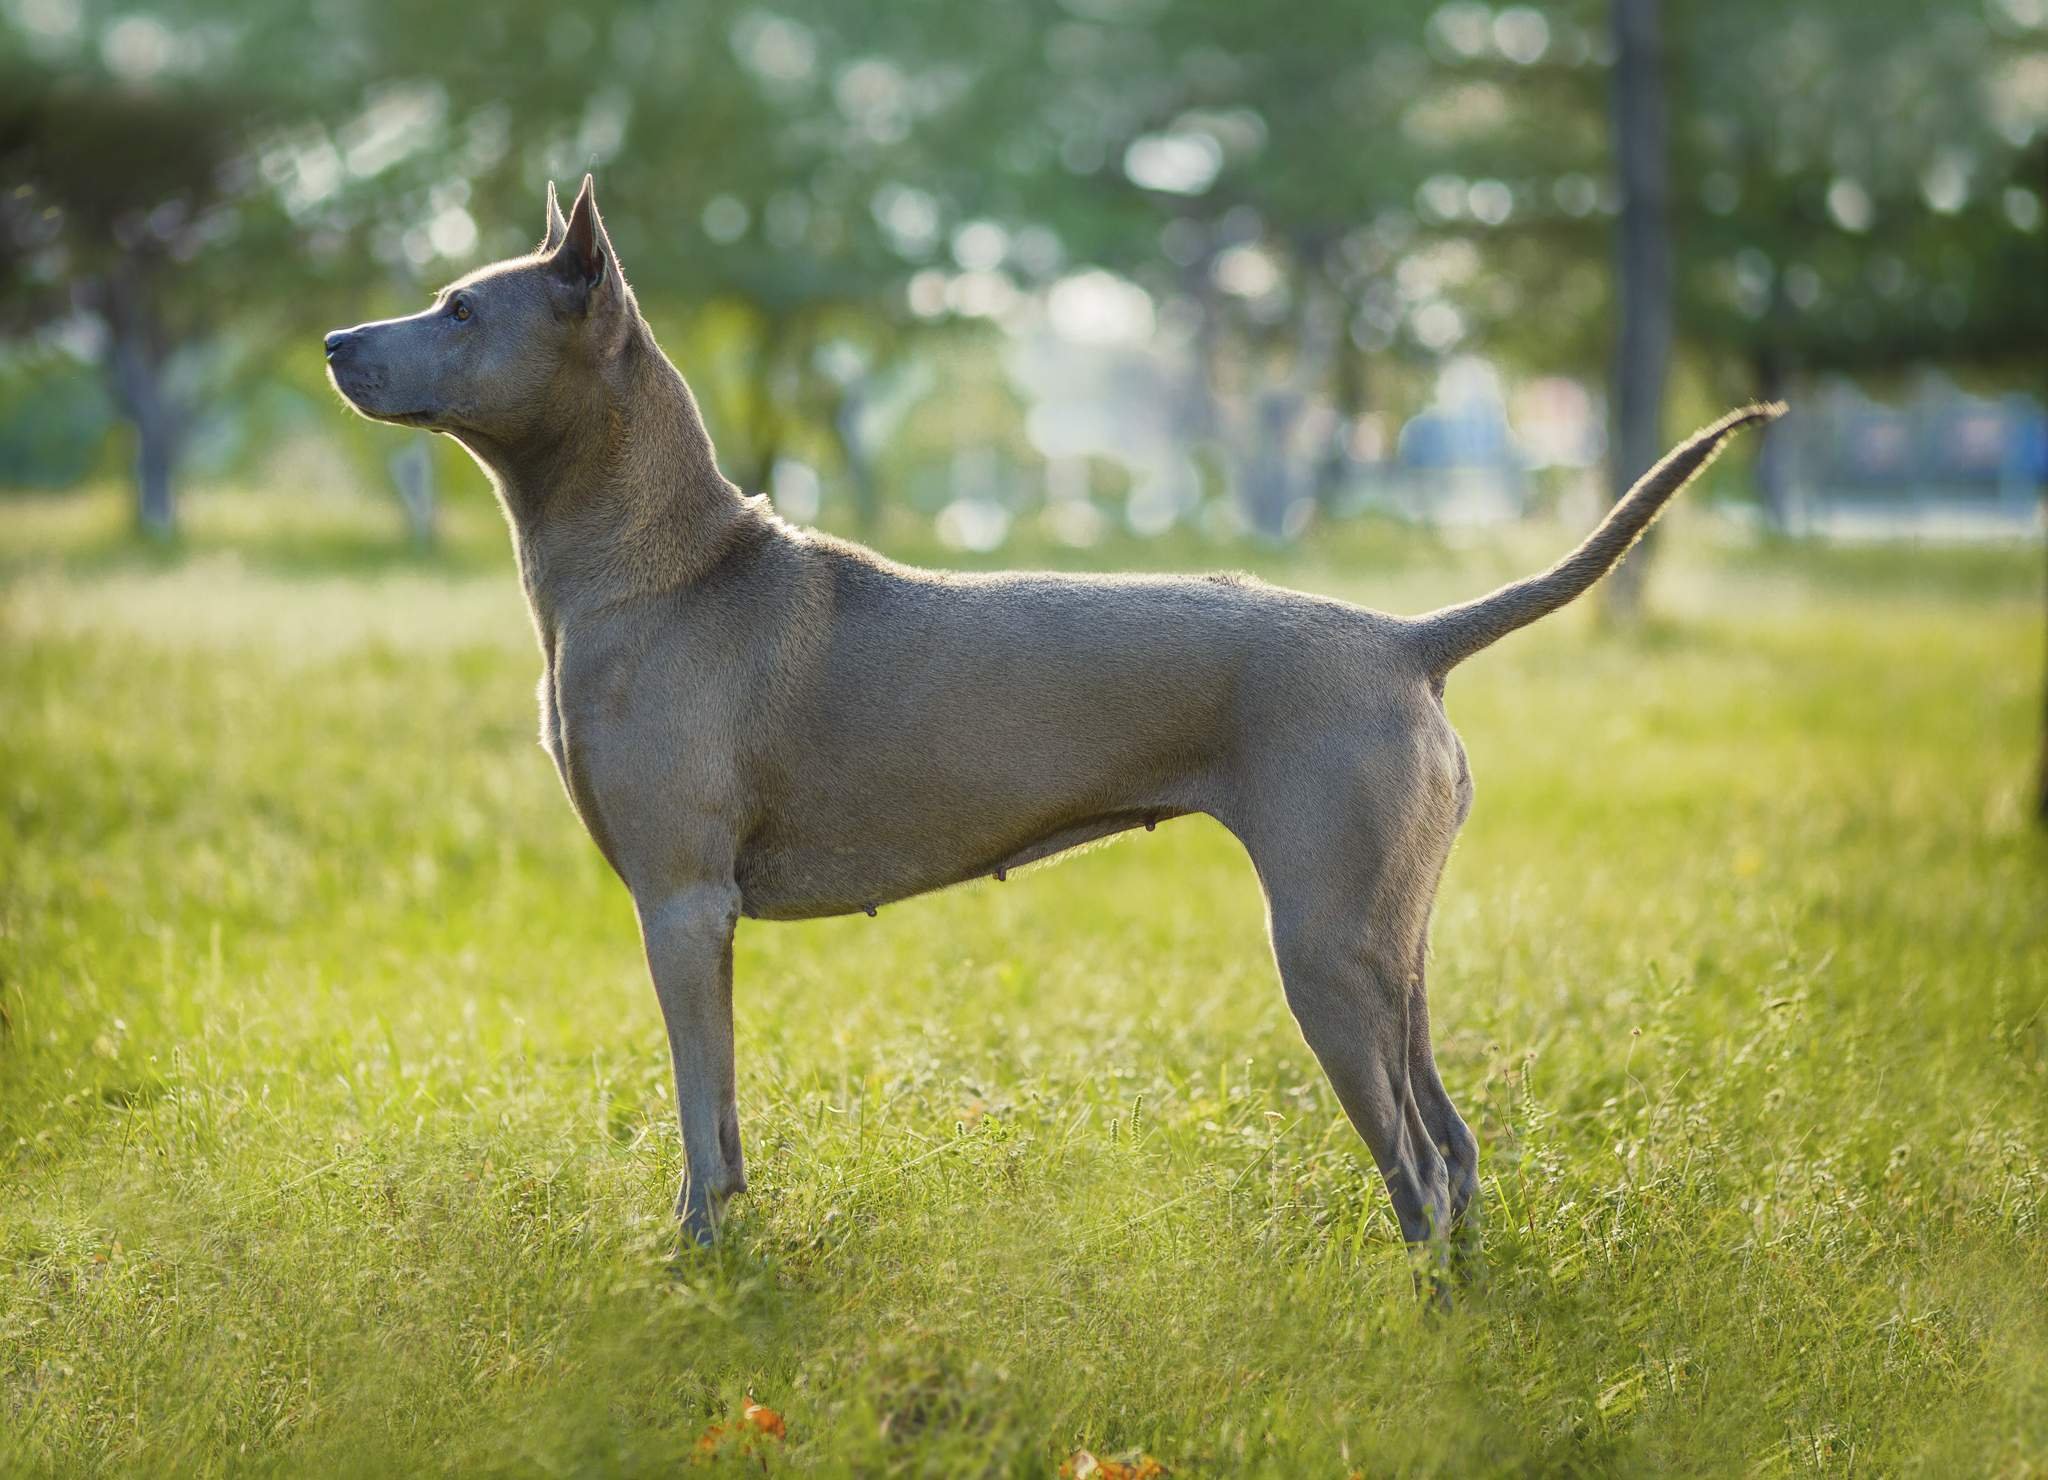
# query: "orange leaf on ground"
767, 1420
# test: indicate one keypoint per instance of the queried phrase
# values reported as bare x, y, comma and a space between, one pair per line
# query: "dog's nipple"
870, 909
1002, 874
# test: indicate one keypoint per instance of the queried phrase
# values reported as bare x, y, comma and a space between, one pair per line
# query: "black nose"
336, 340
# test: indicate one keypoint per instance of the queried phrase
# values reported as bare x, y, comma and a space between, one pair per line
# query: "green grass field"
335, 1125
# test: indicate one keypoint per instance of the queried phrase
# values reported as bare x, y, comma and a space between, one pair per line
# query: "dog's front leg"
688, 932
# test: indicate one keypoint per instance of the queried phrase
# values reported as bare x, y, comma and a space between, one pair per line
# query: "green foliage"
1853, 185
335, 1120
53, 420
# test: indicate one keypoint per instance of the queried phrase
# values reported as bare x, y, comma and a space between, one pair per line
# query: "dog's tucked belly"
795, 879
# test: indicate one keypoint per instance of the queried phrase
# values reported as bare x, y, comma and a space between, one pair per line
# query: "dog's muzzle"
360, 383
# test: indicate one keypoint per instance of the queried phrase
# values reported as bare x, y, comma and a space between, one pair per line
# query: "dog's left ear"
584, 259
557, 226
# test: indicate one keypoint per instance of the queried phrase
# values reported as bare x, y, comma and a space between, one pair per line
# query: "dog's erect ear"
584, 259
557, 227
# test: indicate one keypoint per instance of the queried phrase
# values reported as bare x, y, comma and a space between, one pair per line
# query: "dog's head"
488, 357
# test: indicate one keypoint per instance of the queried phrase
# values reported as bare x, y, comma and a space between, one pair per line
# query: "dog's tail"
1447, 638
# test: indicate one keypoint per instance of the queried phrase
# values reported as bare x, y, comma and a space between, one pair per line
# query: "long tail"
1447, 638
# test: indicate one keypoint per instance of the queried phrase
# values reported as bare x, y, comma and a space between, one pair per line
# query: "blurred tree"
154, 207
1865, 194
54, 414
747, 160
412, 473
1869, 188
1255, 179
116, 210
805, 190
1852, 187
1643, 269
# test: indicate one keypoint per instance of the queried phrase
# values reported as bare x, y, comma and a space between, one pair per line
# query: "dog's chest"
551, 724
556, 741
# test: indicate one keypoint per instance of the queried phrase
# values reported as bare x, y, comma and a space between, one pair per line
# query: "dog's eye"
461, 311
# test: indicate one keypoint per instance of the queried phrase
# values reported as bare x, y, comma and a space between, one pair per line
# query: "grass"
335, 1122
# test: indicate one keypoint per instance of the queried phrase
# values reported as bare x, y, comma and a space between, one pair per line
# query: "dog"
755, 720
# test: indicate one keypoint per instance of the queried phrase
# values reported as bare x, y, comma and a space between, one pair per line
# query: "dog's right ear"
584, 261
558, 226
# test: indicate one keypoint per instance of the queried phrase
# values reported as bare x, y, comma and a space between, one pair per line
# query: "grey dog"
758, 720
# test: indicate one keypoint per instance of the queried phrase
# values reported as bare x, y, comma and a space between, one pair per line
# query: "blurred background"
335, 1135
1008, 281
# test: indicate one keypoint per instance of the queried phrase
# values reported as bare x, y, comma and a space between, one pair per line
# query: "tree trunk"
1643, 253
765, 425
412, 472
1277, 477
2041, 785
1269, 481
853, 452
1333, 468
156, 456
135, 366
1774, 448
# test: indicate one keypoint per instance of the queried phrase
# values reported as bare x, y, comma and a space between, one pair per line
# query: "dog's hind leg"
1352, 1006
688, 932
1447, 1129
1348, 971
1349, 877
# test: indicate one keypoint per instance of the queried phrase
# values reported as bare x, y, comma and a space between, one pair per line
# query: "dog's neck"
623, 498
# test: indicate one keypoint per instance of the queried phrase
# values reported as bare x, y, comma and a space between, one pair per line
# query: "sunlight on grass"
336, 1118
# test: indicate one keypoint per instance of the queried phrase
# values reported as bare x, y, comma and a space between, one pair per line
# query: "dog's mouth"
360, 391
